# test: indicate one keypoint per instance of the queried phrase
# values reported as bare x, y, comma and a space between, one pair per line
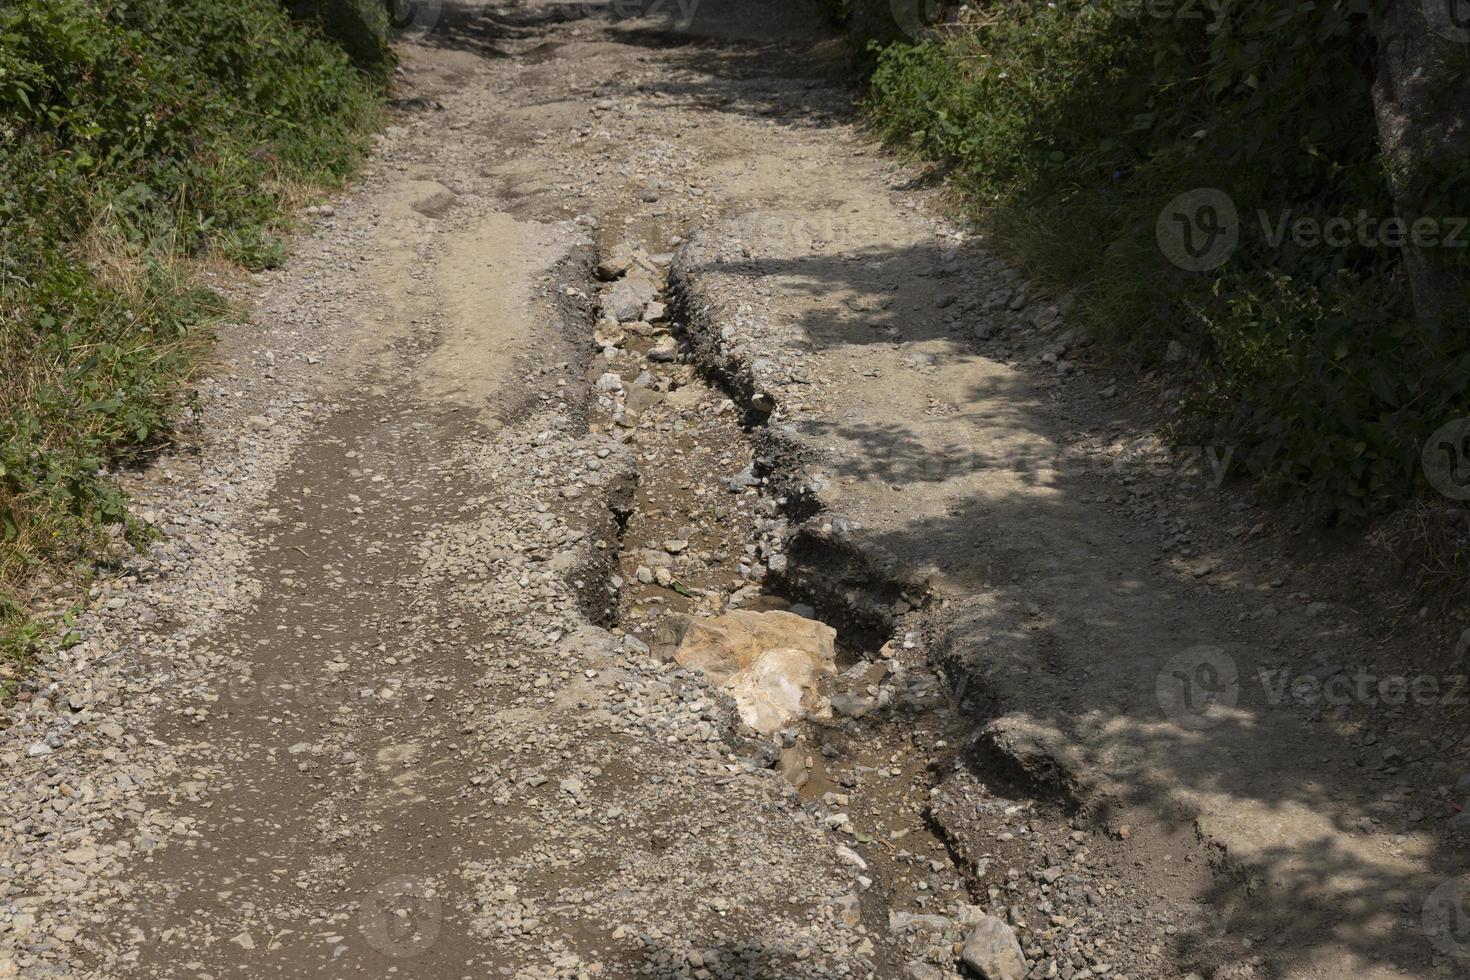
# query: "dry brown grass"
1429, 538
49, 540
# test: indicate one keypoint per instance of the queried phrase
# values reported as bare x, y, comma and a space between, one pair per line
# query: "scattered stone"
991, 950
615, 264
664, 351
625, 299
850, 857
851, 705
793, 766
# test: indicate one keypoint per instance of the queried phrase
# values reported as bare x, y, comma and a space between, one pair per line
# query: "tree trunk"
1421, 96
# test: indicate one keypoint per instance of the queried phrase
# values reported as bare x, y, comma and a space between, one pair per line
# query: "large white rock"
776, 688
771, 663
626, 298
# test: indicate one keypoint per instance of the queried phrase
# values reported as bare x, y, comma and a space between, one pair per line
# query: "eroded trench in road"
717, 516
695, 511
712, 518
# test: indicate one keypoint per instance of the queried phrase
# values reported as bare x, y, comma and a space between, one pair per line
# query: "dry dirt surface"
397, 693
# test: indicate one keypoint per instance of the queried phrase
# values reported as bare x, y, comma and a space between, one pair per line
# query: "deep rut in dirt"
709, 478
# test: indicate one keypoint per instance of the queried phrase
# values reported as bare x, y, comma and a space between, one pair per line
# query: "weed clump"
138, 137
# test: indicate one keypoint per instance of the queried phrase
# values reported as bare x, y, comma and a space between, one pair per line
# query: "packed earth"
640, 534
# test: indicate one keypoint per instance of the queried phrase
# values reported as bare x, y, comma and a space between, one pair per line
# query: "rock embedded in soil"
991, 950
626, 299
723, 645
771, 663
778, 687
615, 264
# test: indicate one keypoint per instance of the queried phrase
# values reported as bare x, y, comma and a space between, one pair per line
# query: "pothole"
708, 530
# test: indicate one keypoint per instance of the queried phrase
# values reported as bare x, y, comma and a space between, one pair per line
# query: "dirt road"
394, 692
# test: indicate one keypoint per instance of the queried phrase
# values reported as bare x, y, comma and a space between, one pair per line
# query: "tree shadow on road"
1080, 608
482, 28
738, 57
1078, 612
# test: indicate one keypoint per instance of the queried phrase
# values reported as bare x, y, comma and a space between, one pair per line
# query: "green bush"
180, 119
1072, 124
356, 26
1329, 393
135, 135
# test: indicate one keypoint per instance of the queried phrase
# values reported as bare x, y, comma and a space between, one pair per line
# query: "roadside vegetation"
141, 141
1073, 128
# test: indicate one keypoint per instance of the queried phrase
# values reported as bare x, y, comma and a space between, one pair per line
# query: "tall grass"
138, 140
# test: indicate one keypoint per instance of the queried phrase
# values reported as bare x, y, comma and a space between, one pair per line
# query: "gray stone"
615, 264
991, 951
625, 299
666, 351
850, 705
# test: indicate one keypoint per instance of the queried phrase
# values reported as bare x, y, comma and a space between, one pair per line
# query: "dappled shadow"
1077, 611
1069, 608
862, 290
1380, 918
893, 454
727, 56
1071, 621
756, 957
784, 73
483, 27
